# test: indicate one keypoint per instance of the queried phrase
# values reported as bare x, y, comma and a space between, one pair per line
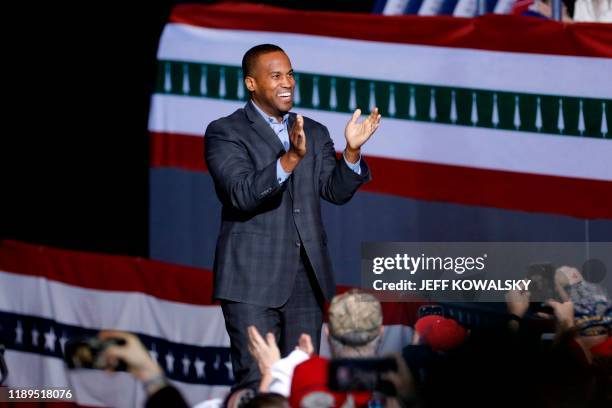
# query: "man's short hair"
250, 57
355, 318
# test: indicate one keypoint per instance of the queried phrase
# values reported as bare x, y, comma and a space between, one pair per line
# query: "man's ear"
249, 82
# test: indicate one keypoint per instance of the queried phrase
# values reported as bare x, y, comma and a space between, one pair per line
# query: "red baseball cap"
603, 349
440, 333
309, 387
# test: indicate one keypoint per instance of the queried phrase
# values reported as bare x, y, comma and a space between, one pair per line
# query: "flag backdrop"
49, 295
494, 129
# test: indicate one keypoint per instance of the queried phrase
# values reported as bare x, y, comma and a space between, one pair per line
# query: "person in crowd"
434, 337
541, 9
354, 330
591, 304
276, 373
439, 332
160, 393
267, 400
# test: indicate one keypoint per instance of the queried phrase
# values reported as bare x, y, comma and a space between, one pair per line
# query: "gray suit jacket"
264, 223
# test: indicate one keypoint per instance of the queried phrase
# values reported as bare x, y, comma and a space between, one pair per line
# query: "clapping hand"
298, 137
357, 134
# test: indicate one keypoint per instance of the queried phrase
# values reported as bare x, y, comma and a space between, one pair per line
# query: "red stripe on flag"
174, 150
128, 274
490, 32
581, 198
109, 272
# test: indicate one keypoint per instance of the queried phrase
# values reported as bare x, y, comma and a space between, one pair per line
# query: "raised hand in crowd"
563, 313
305, 344
140, 364
132, 353
404, 384
265, 352
517, 302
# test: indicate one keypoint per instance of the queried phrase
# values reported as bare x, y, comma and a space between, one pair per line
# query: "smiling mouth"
286, 96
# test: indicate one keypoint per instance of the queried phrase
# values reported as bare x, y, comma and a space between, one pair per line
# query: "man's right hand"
297, 150
297, 137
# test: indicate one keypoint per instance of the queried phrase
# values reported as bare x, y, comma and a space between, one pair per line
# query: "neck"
276, 115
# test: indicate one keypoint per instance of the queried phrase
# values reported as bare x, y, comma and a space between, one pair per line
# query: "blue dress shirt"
280, 129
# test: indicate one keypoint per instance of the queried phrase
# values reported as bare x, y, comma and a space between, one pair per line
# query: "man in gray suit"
270, 167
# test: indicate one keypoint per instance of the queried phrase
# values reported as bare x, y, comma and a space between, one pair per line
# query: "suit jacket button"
296, 211
298, 243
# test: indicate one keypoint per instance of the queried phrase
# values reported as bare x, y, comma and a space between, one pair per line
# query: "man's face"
272, 83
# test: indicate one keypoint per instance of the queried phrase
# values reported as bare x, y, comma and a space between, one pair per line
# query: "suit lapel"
263, 129
267, 134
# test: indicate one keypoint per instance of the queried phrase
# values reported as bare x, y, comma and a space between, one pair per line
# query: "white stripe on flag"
136, 312
97, 309
443, 66
523, 152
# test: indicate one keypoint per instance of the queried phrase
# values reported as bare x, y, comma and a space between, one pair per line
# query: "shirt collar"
269, 119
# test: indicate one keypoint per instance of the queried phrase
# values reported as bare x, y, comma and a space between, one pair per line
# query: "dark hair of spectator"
250, 57
594, 271
267, 400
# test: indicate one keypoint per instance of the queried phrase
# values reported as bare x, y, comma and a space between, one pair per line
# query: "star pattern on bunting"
50, 338
47, 337
19, 333
200, 365
186, 363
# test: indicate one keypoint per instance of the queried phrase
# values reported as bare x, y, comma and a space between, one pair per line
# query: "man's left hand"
357, 134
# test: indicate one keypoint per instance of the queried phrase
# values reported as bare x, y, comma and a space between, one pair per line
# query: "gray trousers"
302, 313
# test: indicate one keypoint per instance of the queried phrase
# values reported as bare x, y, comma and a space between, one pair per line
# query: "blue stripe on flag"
181, 362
